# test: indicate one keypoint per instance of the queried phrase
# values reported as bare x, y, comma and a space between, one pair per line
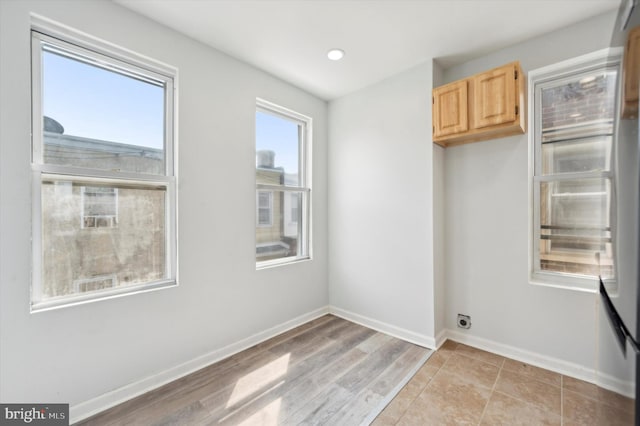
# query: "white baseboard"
554, 364
401, 333
100, 403
441, 338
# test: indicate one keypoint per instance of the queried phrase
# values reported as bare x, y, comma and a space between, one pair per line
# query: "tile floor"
463, 385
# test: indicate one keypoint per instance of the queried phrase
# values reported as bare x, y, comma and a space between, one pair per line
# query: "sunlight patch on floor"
255, 381
267, 416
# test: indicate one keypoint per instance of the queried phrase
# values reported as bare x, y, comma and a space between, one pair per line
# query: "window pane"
280, 239
579, 155
111, 252
277, 150
575, 227
588, 98
100, 118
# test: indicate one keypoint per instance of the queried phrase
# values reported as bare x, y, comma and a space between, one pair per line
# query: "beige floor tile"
436, 413
472, 369
437, 360
449, 344
454, 387
504, 410
481, 355
392, 413
447, 399
542, 395
425, 374
582, 410
384, 420
594, 392
411, 390
448, 348
533, 372
401, 402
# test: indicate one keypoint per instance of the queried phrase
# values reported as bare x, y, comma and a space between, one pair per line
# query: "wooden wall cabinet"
485, 106
631, 74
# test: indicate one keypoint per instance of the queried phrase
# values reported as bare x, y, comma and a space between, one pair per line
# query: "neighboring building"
277, 211
98, 236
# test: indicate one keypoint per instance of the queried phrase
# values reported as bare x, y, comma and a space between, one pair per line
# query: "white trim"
557, 365
441, 338
599, 57
102, 402
46, 25
383, 327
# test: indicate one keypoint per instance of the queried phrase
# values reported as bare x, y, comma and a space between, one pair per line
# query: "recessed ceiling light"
335, 54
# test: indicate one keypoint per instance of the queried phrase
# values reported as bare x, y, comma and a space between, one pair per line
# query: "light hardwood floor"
328, 371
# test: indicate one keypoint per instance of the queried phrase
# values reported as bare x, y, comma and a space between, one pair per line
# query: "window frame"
304, 187
566, 71
106, 56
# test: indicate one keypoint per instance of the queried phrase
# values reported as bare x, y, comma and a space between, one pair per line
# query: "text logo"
34, 414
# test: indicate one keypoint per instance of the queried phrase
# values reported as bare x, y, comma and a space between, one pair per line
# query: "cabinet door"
631, 70
450, 109
494, 97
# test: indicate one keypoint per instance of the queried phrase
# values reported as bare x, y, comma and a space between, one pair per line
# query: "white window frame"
304, 187
106, 56
596, 60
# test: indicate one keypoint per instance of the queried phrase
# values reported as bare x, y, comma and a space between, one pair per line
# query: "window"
104, 185
282, 185
574, 116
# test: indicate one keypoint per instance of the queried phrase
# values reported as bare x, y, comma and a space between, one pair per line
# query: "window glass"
98, 117
133, 252
277, 149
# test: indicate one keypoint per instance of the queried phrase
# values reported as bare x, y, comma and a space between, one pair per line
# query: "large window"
104, 185
282, 185
574, 113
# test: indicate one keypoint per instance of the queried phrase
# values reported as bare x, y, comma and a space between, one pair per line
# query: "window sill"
571, 282
68, 301
268, 264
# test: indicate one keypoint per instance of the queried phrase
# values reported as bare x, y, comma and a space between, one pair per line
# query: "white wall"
487, 209
78, 353
380, 205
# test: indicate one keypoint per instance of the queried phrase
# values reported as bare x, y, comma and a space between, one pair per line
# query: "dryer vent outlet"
464, 321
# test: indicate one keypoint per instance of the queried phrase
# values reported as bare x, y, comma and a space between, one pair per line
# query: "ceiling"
290, 38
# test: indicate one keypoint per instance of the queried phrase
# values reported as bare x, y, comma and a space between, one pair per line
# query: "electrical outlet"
464, 321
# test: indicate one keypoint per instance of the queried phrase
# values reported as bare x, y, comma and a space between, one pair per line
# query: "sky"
96, 103
278, 135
